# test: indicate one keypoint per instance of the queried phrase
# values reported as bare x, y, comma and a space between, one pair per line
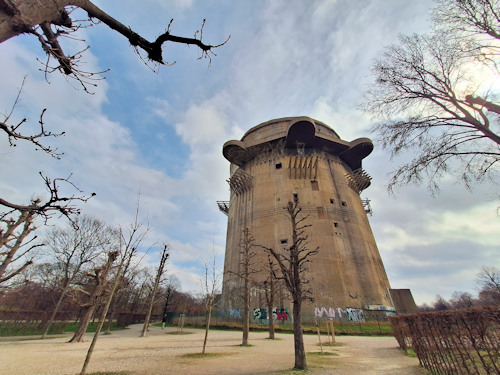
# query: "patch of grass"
372, 328
72, 327
323, 354
290, 372
411, 353
26, 329
330, 344
245, 346
32, 329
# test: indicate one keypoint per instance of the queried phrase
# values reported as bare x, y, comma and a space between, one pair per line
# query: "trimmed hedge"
453, 342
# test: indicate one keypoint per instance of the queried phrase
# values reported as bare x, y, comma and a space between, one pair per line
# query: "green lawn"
363, 328
28, 329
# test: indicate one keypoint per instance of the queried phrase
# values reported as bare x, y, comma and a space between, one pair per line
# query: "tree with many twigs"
294, 272
434, 96
74, 249
488, 281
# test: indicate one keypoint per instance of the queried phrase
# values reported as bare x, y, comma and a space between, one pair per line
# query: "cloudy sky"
158, 132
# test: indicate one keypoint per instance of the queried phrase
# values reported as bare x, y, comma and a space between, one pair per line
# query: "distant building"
403, 301
299, 158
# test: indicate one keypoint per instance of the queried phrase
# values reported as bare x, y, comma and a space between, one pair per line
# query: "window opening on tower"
295, 198
279, 166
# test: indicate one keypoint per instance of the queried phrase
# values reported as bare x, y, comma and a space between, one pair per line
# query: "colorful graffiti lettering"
259, 313
278, 314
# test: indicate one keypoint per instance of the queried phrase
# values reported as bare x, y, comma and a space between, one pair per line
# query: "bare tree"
269, 286
171, 291
14, 244
247, 270
125, 285
211, 289
461, 300
432, 96
159, 273
488, 280
101, 281
440, 304
74, 247
128, 249
293, 265
18, 222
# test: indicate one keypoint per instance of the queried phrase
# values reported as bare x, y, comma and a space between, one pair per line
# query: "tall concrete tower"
299, 158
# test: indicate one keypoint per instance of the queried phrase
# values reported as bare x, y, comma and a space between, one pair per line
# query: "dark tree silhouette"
432, 99
154, 290
294, 272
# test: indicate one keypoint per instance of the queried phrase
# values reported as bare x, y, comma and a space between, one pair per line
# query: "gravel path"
164, 352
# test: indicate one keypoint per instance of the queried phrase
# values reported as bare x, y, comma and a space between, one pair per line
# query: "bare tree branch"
53, 18
430, 100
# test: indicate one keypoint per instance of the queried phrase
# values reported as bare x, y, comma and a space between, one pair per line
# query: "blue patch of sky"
131, 83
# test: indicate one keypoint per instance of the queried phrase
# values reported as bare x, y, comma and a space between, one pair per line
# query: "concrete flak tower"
299, 158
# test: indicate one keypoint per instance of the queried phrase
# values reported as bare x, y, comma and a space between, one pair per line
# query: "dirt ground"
164, 352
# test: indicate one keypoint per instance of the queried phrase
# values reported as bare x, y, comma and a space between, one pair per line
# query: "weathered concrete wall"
300, 158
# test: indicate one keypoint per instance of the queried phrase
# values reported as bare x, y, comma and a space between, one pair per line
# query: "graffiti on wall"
235, 314
353, 314
278, 314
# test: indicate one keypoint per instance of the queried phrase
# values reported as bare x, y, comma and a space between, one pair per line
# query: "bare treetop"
432, 96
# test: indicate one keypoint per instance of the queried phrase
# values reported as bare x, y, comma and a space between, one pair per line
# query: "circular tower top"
303, 132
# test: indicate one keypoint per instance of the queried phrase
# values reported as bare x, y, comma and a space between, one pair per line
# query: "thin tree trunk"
207, 328
271, 324
246, 315
161, 267
54, 312
270, 303
298, 338
103, 317
111, 317
148, 314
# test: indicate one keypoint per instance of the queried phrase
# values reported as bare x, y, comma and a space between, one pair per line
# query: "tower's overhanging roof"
304, 131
